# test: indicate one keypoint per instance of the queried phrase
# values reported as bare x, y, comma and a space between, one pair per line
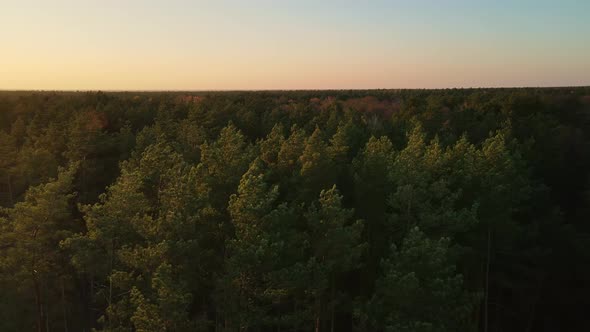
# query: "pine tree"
317, 167
290, 151
222, 164
271, 145
424, 195
336, 248
30, 237
288, 164
264, 272
8, 153
372, 187
146, 235
420, 290
18, 131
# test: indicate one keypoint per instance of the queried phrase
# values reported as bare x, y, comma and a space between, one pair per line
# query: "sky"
283, 44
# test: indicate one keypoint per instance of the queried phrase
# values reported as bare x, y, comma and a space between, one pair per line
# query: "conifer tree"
420, 290
261, 286
316, 166
372, 187
145, 236
29, 238
336, 247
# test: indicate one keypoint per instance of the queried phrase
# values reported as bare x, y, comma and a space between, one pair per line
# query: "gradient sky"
281, 44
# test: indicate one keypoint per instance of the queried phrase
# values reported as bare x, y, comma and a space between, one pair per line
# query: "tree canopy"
379, 210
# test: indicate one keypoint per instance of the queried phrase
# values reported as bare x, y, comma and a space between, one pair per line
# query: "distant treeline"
379, 210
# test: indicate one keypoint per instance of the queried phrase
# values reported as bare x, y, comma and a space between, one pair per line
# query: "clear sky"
283, 44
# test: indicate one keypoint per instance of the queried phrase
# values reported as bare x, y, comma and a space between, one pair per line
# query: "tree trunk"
37, 288
531, 320
112, 253
487, 286
332, 305
10, 196
39, 305
318, 314
408, 215
89, 320
111, 272
46, 321
63, 304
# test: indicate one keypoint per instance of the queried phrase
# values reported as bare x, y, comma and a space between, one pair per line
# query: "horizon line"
300, 89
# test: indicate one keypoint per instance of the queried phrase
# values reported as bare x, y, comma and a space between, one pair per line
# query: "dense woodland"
405, 210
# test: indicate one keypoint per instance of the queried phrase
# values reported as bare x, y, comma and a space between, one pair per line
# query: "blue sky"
256, 44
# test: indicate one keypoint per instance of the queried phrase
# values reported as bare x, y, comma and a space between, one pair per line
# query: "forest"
272, 211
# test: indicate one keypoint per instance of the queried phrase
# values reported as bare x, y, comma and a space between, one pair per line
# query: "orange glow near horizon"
177, 45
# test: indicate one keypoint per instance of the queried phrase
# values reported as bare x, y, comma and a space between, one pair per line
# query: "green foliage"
420, 290
336, 247
315, 163
31, 261
265, 258
222, 164
142, 237
456, 210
